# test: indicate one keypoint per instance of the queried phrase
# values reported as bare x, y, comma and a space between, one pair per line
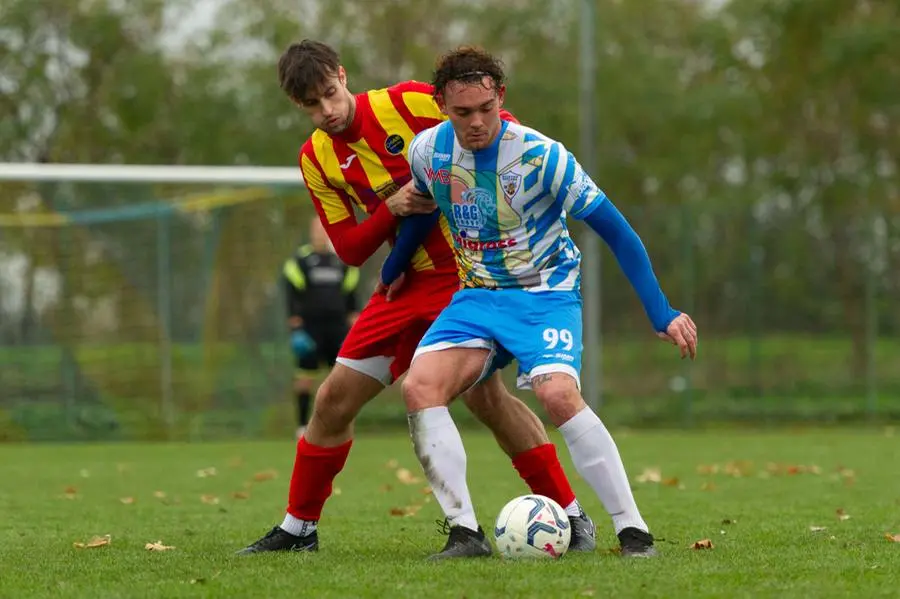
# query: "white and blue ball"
532, 526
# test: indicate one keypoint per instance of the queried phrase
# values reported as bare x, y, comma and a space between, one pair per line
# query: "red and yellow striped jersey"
364, 165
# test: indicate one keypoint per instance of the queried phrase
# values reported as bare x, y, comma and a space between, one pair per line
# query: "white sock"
597, 460
298, 527
573, 509
443, 457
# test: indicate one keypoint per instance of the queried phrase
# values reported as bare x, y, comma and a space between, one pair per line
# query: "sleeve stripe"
329, 201
422, 105
550, 167
567, 178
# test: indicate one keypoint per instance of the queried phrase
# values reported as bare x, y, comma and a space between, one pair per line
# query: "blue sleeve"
413, 231
625, 244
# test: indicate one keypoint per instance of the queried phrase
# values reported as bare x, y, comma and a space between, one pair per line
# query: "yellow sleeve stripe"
422, 105
332, 205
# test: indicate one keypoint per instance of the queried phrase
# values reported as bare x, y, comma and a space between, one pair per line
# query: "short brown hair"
467, 64
304, 67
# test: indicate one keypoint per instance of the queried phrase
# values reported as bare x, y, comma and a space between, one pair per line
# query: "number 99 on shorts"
559, 339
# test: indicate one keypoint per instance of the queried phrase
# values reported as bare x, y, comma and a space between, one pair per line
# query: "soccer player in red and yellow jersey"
356, 158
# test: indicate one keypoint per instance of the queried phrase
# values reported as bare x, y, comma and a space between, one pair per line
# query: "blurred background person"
321, 304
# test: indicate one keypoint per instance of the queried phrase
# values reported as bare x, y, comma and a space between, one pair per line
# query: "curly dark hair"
304, 67
467, 64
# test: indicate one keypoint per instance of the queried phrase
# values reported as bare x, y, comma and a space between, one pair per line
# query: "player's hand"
682, 332
352, 318
393, 289
407, 200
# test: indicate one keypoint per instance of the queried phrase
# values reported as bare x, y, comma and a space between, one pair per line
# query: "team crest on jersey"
394, 144
511, 182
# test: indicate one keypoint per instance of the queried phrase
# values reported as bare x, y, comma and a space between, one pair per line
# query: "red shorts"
384, 338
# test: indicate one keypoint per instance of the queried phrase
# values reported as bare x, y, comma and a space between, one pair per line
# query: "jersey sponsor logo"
346, 164
479, 246
511, 182
441, 175
472, 208
394, 144
443, 157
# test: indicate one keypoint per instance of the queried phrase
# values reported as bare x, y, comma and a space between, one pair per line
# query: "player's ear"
439, 99
342, 75
501, 93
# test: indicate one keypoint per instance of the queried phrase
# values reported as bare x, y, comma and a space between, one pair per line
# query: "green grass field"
754, 495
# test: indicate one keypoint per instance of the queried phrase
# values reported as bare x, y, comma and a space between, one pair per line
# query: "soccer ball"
532, 526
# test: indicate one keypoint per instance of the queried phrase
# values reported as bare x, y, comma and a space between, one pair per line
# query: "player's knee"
419, 393
560, 397
334, 410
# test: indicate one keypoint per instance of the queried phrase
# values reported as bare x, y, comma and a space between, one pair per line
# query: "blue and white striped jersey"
507, 204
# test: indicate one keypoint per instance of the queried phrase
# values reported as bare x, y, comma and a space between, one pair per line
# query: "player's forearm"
632, 256
354, 243
413, 231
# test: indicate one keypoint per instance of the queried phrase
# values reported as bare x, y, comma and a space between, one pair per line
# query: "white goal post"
134, 173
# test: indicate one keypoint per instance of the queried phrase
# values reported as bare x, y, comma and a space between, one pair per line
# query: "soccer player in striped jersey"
356, 159
505, 191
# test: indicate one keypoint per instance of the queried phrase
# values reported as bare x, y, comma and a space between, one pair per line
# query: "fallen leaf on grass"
406, 477
587, 593
409, 510
708, 486
70, 492
649, 475
241, 495
265, 475
729, 521
158, 546
385, 488
94, 542
738, 468
159, 494
842, 515
892, 537
206, 472
209, 499
392, 464
127, 500
847, 475
427, 491
670, 482
702, 544
818, 528
336, 491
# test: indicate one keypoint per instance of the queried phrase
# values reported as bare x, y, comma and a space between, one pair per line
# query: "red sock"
314, 470
540, 469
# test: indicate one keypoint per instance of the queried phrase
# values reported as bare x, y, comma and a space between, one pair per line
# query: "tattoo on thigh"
537, 381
